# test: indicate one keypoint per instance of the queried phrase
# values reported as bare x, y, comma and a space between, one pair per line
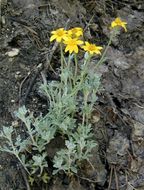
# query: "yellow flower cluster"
119, 23
71, 38
58, 35
92, 48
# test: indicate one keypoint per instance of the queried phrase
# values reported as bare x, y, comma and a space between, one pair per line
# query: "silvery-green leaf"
21, 112
86, 55
74, 169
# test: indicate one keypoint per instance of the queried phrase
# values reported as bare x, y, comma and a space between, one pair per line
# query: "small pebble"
14, 52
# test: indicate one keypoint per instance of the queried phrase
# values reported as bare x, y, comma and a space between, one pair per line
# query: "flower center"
60, 33
72, 42
75, 30
118, 22
91, 48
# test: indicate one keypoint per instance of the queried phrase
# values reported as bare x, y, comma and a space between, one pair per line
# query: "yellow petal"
123, 25
99, 47
70, 51
67, 48
53, 32
65, 37
87, 43
76, 49
97, 52
91, 52
124, 22
58, 39
118, 19
113, 24
69, 32
53, 37
84, 47
66, 42
125, 29
79, 42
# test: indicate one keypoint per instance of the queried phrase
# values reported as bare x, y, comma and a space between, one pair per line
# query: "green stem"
23, 164
69, 61
62, 60
29, 132
83, 119
84, 71
69, 68
62, 56
76, 68
62, 65
82, 77
17, 156
52, 96
49, 98
104, 53
85, 104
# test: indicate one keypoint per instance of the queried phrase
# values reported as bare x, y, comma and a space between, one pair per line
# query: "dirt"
118, 161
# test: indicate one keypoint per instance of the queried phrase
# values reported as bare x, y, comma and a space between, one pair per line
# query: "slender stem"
29, 132
62, 57
69, 69
104, 53
84, 71
22, 164
62, 65
45, 84
76, 67
83, 119
62, 60
82, 77
49, 98
85, 104
69, 61
17, 156
25, 178
52, 96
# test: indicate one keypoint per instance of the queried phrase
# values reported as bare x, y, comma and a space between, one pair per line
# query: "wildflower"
118, 22
58, 35
72, 45
75, 32
92, 48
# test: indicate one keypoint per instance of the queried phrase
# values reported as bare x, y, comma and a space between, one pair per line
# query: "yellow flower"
75, 32
72, 45
92, 48
118, 22
58, 35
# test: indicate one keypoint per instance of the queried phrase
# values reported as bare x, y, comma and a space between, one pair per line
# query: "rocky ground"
119, 126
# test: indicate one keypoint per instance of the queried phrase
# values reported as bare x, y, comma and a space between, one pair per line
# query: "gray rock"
117, 150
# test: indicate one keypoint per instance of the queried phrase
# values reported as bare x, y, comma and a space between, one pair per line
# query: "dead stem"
25, 178
110, 179
116, 178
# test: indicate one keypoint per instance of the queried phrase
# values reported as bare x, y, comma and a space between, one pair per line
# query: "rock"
118, 59
74, 185
138, 131
137, 112
138, 140
29, 8
117, 150
136, 164
121, 63
138, 182
95, 169
14, 52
